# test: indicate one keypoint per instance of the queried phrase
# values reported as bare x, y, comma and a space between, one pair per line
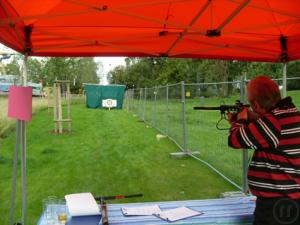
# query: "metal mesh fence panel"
150, 116
292, 87
140, 102
293, 90
147, 115
174, 129
127, 100
170, 110
135, 102
202, 134
161, 109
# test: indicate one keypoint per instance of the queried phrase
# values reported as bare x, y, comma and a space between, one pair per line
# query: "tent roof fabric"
252, 30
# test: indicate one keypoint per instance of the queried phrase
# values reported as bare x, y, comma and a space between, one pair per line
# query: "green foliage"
294, 70
78, 70
13, 68
150, 72
273, 70
35, 70
118, 75
47, 70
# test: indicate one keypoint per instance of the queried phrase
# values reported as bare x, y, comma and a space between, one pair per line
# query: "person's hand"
243, 115
232, 117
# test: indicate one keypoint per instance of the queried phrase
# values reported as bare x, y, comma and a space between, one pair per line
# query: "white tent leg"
23, 148
24, 71
20, 137
23, 163
14, 180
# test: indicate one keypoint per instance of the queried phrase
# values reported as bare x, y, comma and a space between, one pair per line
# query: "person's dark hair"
265, 91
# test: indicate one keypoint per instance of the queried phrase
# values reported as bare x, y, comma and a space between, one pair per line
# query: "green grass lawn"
201, 131
108, 153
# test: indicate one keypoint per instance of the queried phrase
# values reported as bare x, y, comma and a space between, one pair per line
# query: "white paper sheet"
141, 211
177, 214
82, 204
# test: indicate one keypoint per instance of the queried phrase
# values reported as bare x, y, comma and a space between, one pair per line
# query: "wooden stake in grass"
58, 112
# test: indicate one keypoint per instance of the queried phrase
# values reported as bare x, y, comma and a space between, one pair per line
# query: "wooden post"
69, 105
58, 112
55, 107
60, 127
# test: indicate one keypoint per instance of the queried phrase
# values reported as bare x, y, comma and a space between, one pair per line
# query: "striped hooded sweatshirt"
275, 137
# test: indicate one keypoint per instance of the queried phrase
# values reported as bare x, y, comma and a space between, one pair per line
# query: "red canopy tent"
251, 30
257, 30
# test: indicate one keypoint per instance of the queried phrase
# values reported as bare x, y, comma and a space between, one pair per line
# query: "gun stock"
104, 214
103, 205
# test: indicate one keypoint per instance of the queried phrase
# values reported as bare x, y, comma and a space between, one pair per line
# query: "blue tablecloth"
215, 211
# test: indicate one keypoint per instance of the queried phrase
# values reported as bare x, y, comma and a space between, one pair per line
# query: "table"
238, 210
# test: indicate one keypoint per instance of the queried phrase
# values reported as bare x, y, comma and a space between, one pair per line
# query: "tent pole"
23, 163
245, 153
23, 147
284, 79
184, 144
20, 136
14, 180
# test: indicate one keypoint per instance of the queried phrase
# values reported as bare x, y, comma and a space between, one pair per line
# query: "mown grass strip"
108, 153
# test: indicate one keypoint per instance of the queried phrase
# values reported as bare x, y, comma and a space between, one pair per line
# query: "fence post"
133, 101
128, 99
245, 151
155, 107
183, 117
145, 99
284, 80
140, 103
167, 98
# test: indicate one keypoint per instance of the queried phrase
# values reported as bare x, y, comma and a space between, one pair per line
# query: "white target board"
109, 103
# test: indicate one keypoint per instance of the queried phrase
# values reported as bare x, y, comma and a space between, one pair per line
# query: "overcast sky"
108, 62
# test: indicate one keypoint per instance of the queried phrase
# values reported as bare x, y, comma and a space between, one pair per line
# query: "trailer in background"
9, 80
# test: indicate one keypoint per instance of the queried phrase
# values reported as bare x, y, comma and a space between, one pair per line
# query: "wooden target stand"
61, 88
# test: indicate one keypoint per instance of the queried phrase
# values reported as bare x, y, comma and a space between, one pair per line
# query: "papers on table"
82, 204
141, 211
177, 214
168, 215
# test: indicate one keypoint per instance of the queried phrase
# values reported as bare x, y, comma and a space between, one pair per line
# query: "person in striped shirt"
272, 130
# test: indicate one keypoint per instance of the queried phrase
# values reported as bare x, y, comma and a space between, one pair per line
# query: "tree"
77, 70
273, 70
149, 72
13, 68
56, 69
35, 70
293, 70
118, 75
85, 71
